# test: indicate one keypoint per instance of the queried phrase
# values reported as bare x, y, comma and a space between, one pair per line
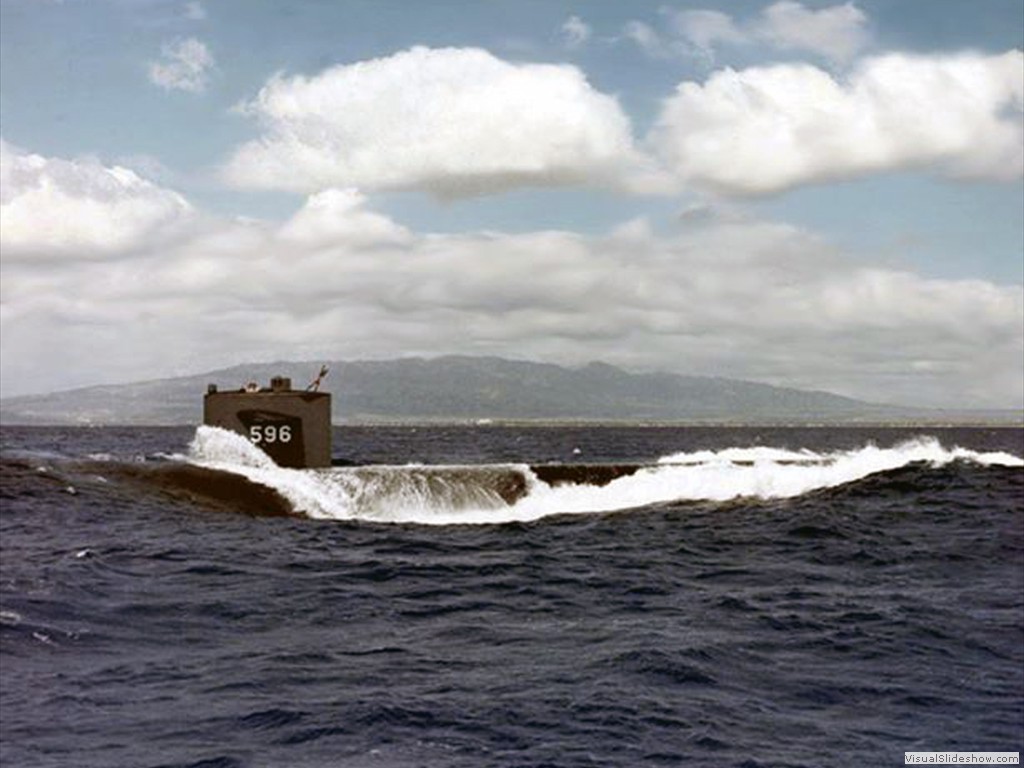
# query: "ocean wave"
506, 493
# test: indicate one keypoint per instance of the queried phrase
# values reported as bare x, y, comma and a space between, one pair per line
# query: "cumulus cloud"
184, 65
453, 122
340, 216
836, 32
77, 209
723, 296
766, 129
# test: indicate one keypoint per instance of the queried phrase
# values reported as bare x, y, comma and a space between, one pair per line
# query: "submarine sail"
291, 426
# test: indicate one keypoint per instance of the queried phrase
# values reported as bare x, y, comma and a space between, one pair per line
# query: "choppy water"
490, 596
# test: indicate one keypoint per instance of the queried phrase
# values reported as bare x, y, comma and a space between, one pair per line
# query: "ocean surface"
511, 596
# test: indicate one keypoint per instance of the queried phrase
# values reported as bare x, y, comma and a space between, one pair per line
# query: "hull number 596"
269, 433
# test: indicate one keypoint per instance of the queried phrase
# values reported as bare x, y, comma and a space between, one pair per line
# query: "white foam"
306, 490
215, 446
468, 495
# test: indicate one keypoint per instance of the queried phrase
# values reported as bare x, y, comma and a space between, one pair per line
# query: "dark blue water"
147, 620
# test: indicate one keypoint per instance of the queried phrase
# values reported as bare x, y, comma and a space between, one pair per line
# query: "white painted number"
268, 433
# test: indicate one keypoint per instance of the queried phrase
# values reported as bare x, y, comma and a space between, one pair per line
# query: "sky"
811, 194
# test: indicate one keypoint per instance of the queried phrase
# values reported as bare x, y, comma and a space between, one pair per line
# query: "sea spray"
499, 493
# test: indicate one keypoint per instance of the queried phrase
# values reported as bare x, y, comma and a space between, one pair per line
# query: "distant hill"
460, 388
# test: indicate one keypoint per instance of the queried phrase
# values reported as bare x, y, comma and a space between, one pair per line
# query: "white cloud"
453, 122
766, 129
704, 30
726, 297
78, 209
575, 32
461, 122
650, 41
836, 32
184, 66
339, 216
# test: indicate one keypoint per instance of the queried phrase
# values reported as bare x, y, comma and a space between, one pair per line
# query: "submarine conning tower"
291, 426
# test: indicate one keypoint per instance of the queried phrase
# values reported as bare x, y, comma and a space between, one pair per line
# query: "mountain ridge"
469, 388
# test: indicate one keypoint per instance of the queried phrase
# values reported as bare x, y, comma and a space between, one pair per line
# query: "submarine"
291, 426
